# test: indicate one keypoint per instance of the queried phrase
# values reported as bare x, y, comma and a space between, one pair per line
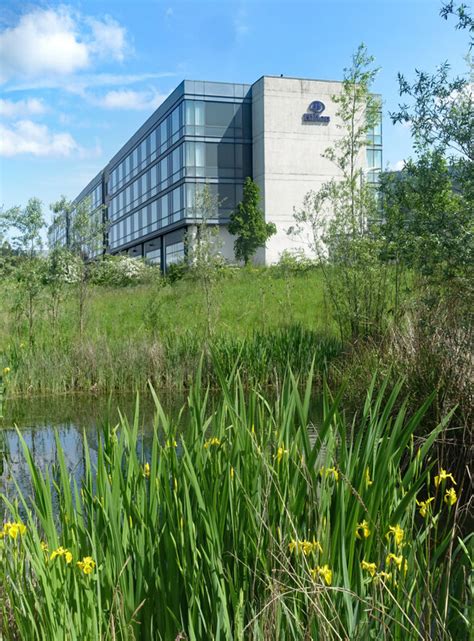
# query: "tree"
26, 226
427, 220
343, 217
247, 222
203, 250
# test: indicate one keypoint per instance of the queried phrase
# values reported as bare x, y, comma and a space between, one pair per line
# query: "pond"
38, 420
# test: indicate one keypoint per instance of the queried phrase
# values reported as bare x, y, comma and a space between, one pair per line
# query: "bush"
120, 271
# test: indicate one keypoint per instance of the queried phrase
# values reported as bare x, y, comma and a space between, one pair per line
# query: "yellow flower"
171, 443
368, 480
397, 532
425, 506
146, 470
12, 530
44, 546
87, 564
304, 546
6, 370
398, 560
232, 473
383, 575
280, 453
323, 571
362, 530
443, 476
371, 568
60, 551
212, 442
450, 497
330, 470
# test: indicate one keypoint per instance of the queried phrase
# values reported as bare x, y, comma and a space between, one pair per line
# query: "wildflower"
6, 370
425, 506
397, 532
12, 530
280, 453
232, 473
362, 530
371, 568
171, 442
324, 571
450, 497
383, 575
146, 470
304, 546
214, 441
87, 564
398, 560
368, 480
60, 551
44, 546
443, 476
330, 470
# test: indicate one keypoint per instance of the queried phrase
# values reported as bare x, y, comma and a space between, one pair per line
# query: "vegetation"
248, 224
247, 525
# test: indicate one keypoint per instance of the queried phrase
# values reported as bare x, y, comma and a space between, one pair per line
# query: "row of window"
160, 176
161, 212
374, 164
202, 160
155, 144
200, 118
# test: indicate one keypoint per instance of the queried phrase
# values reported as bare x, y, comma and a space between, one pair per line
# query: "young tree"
343, 217
86, 242
204, 246
26, 226
247, 222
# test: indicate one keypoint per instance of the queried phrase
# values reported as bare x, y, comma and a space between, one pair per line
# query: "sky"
77, 79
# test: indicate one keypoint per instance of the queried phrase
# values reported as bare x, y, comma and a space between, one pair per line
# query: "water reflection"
70, 417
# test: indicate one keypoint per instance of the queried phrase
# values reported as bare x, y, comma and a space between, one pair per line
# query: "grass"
261, 317
242, 526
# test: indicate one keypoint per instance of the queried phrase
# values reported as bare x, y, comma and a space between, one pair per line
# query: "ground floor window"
174, 253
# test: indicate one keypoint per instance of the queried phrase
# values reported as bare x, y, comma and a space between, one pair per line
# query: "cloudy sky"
77, 79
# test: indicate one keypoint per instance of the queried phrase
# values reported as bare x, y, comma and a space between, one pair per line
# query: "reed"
247, 522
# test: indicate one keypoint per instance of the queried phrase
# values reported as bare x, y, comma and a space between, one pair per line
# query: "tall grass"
168, 361
243, 526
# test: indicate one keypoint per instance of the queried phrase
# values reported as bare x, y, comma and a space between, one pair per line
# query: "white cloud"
109, 38
397, 166
80, 82
28, 107
132, 100
58, 42
27, 137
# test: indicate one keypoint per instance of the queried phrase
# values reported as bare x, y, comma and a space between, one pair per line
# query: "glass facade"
374, 152
201, 135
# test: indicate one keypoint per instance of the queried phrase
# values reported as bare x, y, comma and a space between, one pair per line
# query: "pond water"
38, 420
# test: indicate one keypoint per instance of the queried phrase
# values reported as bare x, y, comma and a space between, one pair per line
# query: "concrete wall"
287, 151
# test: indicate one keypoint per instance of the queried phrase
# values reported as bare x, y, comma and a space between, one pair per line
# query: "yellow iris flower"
443, 476
362, 530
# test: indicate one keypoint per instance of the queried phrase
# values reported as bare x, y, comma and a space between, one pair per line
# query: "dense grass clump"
249, 524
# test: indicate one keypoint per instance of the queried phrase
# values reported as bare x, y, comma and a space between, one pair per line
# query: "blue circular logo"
317, 107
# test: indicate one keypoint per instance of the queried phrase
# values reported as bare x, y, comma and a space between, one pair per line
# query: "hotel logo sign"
314, 112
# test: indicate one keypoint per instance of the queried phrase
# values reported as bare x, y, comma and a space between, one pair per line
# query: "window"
174, 253
219, 114
153, 253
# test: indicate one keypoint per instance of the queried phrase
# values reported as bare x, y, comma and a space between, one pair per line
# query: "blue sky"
78, 78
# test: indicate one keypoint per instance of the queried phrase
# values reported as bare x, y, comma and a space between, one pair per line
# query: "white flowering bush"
120, 271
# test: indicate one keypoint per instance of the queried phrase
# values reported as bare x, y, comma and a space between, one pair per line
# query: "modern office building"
275, 131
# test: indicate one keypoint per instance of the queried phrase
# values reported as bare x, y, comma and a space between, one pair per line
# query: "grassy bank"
261, 318
249, 526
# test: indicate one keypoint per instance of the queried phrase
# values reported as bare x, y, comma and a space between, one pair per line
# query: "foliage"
428, 222
120, 271
203, 251
246, 525
342, 218
27, 225
247, 222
